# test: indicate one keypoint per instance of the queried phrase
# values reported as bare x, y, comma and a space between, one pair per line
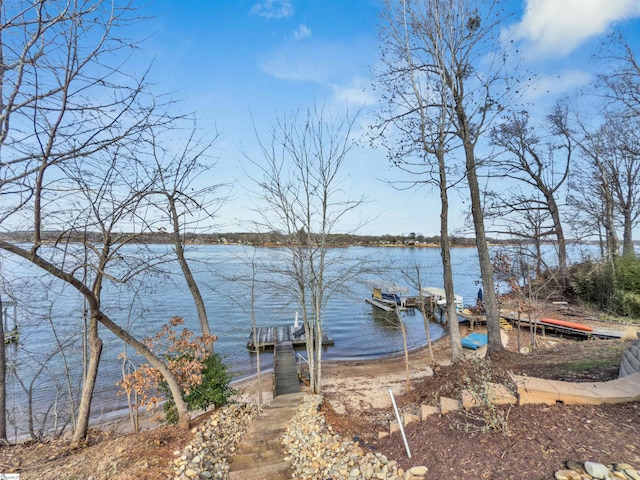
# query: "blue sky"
231, 61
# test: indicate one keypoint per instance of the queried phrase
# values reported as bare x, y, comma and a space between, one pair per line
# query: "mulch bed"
536, 441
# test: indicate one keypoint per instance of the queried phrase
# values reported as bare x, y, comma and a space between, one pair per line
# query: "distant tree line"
255, 239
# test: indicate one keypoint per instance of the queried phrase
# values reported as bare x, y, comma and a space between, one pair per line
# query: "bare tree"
412, 274
542, 163
252, 283
519, 216
304, 199
619, 81
184, 205
456, 42
62, 103
619, 84
621, 155
593, 186
3, 379
416, 100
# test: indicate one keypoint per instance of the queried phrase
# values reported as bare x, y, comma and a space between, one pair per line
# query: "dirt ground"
534, 442
529, 442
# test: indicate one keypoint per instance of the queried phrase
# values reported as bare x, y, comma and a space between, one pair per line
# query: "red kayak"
564, 323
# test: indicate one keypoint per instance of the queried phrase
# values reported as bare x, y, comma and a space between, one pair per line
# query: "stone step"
497, 394
428, 410
410, 418
276, 471
449, 405
260, 454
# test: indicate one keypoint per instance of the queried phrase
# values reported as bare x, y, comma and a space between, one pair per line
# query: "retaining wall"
631, 360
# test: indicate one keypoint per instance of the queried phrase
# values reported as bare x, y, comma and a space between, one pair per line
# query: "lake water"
359, 330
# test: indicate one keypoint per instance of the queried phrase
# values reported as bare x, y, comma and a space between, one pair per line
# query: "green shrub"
213, 390
614, 288
631, 304
628, 274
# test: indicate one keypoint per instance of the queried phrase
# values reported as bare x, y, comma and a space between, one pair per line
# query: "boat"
440, 297
474, 341
388, 297
12, 336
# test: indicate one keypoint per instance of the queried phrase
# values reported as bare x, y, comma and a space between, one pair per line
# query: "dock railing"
302, 375
275, 348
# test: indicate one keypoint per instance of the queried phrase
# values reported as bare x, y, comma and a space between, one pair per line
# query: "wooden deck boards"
265, 337
285, 370
512, 318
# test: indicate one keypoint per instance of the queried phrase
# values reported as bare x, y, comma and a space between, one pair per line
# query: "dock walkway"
260, 454
285, 370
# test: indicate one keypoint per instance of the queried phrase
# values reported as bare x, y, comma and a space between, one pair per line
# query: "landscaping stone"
567, 475
597, 470
316, 452
427, 410
449, 405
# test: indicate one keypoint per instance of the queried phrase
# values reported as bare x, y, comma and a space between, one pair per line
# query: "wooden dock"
266, 336
544, 327
285, 370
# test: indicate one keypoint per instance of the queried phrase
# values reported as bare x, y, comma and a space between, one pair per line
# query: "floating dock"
549, 325
439, 297
267, 336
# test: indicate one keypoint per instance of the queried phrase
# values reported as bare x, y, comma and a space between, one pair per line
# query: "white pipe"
404, 437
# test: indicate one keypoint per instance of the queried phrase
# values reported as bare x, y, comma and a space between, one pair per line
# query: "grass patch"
591, 363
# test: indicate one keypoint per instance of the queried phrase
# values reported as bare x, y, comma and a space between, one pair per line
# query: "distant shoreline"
267, 240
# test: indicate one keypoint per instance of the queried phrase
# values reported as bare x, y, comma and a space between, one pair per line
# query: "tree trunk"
188, 276
84, 411
613, 244
425, 319
406, 351
184, 420
445, 252
3, 381
154, 361
310, 357
538, 248
628, 249
562, 244
494, 341
318, 353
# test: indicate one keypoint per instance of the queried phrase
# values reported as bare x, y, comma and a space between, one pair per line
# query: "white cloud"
556, 27
354, 95
302, 32
557, 84
273, 9
293, 64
